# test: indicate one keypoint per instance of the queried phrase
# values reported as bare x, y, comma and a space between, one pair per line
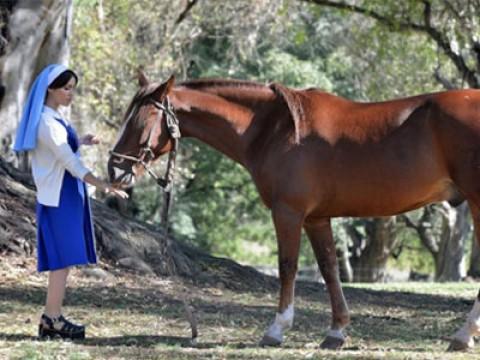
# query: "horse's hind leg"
321, 238
288, 226
463, 338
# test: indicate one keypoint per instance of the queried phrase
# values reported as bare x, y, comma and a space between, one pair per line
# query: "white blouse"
51, 157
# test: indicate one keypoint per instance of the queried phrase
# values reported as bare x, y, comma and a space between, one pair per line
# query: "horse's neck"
222, 123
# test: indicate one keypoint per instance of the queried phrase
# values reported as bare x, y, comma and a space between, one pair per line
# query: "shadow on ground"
409, 315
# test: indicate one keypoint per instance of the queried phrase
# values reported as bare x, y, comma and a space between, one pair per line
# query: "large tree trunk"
370, 257
443, 230
36, 34
450, 259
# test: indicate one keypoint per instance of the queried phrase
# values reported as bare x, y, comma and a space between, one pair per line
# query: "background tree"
443, 230
363, 50
33, 34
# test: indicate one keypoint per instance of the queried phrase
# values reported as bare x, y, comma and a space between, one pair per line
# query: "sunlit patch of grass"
457, 289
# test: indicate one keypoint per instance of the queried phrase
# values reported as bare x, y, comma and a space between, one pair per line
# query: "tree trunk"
381, 239
474, 269
450, 264
345, 269
443, 230
38, 32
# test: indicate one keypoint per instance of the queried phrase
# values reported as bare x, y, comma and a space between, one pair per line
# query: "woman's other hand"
89, 139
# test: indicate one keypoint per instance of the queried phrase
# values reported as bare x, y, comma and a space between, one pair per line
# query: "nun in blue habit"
65, 235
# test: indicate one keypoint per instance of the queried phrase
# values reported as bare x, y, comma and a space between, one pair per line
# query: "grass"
136, 317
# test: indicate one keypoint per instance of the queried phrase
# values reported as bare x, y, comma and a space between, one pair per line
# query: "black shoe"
60, 327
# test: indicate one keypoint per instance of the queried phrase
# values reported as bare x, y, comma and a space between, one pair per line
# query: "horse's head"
145, 134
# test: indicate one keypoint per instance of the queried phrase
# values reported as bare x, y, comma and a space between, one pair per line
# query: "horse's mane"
290, 96
216, 83
294, 102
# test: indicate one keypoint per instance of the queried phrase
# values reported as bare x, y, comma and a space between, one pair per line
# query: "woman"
65, 234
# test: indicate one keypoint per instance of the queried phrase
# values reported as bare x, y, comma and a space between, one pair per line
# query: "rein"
146, 153
173, 128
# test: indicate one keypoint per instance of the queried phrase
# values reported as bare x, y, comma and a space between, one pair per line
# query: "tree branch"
425, 28
391, 24
111, 123
447, 84
408, 222
188, 8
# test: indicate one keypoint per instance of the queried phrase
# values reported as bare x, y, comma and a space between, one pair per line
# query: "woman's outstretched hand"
104, 186
109, 189
89, 139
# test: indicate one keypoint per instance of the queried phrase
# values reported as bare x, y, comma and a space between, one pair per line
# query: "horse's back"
367, 159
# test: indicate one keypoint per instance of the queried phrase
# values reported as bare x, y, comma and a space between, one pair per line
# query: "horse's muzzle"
120, 177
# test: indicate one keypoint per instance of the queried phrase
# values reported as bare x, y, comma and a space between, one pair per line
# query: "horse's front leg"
321, 238
288, 227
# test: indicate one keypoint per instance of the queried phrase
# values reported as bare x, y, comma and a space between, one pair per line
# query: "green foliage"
224, 207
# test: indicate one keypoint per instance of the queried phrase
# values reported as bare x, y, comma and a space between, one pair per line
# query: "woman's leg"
52, 323
57, 281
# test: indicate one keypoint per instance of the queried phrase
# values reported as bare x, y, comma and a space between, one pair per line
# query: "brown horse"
314, 156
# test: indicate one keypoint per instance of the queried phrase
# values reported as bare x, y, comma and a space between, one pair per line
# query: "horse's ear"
164, 89
142, 78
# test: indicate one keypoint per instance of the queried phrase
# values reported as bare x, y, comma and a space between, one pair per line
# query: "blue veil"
26, 138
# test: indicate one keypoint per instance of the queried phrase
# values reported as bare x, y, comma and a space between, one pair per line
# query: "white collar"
52, 112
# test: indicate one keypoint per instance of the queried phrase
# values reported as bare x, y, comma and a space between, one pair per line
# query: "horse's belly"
390, 200
399, 176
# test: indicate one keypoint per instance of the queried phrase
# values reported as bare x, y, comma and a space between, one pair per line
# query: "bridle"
146, 152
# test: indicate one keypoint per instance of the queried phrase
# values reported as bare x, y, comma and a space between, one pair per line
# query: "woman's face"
63, 96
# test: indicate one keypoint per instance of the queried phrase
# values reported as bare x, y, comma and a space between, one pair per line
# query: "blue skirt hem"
67, 265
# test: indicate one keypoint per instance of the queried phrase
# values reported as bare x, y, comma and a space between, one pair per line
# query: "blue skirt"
65, 233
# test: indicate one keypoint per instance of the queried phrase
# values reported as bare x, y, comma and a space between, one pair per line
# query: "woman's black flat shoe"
60, 327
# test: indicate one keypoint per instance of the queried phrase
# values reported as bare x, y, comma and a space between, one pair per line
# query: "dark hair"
63, 79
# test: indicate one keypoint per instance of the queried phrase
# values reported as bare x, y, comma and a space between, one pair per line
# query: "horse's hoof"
332, 343
457, 345
269, 341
